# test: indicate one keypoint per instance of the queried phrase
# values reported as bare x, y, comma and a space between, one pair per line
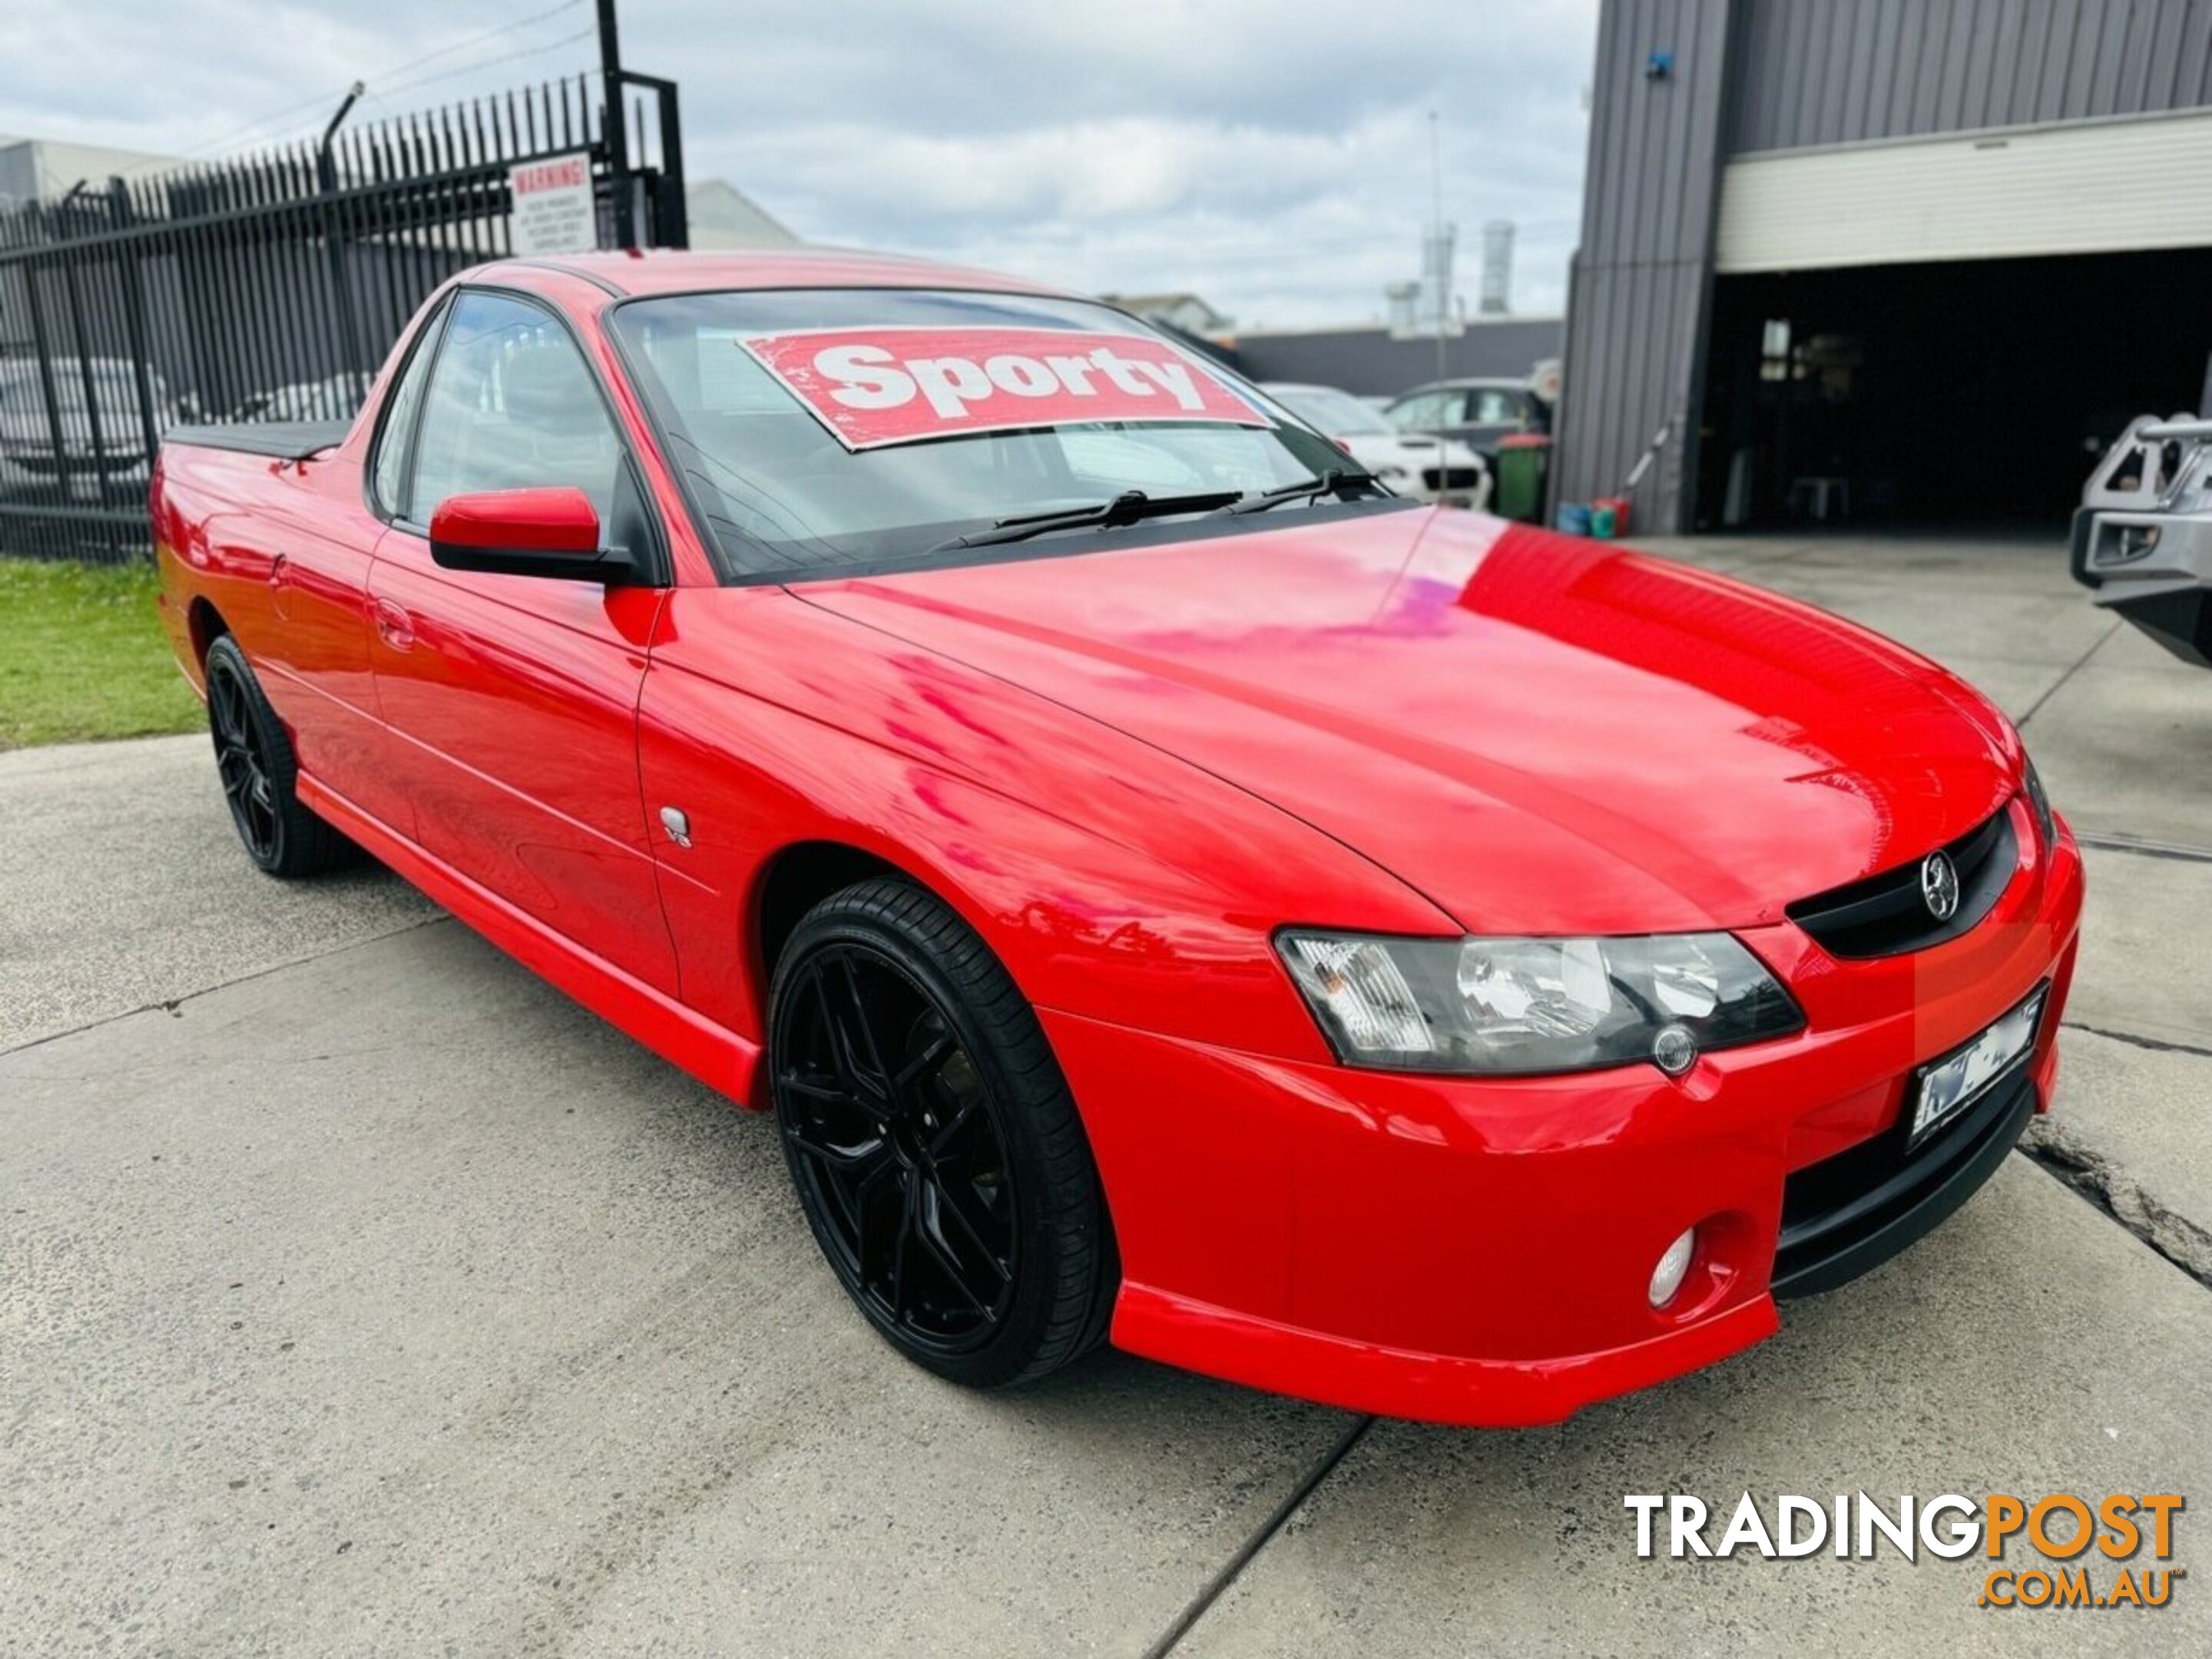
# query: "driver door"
512, 700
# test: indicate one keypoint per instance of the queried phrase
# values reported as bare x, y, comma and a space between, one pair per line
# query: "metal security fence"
272, 287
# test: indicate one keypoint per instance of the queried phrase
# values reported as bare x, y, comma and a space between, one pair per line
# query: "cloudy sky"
1271, 154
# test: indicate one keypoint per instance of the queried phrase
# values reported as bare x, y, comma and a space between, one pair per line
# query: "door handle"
394, 626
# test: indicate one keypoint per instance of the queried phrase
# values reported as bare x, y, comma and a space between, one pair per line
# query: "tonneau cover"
283, 441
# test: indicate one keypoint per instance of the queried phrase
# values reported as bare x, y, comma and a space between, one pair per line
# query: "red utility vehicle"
1163, 885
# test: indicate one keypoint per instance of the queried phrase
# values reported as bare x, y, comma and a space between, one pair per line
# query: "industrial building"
1371, 361
1884, 261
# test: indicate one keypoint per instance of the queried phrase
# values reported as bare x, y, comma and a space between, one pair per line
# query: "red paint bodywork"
1127, 767
555, 520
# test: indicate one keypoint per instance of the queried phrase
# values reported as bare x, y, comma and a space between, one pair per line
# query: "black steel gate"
271, 288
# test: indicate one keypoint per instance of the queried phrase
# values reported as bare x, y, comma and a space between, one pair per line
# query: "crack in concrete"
2063, 1156
2114, 842
2157, 1045
1173, 1635
174, 1007
2059, 684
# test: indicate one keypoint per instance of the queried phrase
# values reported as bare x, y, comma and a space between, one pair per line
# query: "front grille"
1886, 916
1455, 477
1850, 1213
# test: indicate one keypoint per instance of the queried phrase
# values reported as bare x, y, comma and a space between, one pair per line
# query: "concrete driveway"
360, 1294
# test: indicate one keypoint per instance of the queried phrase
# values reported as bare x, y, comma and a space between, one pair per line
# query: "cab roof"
672, 270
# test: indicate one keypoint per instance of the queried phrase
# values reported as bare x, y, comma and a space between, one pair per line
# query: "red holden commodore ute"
1166, 888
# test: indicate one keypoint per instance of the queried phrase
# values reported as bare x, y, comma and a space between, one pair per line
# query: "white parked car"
334, 398
1428, 468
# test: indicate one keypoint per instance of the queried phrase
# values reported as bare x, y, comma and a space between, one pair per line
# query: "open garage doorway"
1971, 394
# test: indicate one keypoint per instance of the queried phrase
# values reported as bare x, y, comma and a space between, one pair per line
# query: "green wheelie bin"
1522, 459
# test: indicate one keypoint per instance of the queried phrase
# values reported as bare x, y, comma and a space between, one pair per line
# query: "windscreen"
828, 429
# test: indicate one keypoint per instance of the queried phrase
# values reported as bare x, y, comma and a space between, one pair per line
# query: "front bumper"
2143, 538
1453, 486
1477, 1251
2155, 569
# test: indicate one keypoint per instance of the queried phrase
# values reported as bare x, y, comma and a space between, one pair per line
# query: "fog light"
1667, 1277
1675, 1050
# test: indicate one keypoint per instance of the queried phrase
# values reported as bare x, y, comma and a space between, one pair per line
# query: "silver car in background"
2142, 537
102, 457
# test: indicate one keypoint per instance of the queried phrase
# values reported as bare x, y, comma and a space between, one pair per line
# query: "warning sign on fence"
553, 208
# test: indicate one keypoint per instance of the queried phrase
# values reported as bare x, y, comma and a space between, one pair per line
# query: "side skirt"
717, 1057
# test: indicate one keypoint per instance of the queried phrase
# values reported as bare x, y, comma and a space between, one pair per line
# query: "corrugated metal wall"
1754, 75
1844, 71
1641, 286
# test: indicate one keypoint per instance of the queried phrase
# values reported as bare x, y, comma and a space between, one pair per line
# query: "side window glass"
390, 465
1427, 409
1494, 408
511, 405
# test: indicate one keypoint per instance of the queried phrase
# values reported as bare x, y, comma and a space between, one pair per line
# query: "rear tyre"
933, 1142
253, 757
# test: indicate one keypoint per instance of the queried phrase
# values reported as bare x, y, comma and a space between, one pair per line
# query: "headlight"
1508, 1007
2040, 804
1392, 471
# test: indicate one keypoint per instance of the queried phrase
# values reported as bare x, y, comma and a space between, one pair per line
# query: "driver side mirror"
550, 530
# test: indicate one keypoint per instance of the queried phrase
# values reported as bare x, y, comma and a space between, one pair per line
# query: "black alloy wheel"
253, 757
932, 1142
239, 757
899, 1144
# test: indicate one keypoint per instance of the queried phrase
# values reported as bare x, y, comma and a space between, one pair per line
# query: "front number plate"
1944, 1088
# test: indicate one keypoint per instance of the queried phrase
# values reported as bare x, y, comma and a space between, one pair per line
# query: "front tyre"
933, 1142
254, 758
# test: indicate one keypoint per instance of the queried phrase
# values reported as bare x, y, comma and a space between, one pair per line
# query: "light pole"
615, 129
326, 179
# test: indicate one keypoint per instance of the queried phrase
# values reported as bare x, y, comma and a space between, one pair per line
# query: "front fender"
1113, 880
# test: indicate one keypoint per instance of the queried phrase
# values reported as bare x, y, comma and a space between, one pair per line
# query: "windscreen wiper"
1339, 481
1128, 508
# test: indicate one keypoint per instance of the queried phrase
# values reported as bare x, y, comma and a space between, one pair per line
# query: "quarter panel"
283, 550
